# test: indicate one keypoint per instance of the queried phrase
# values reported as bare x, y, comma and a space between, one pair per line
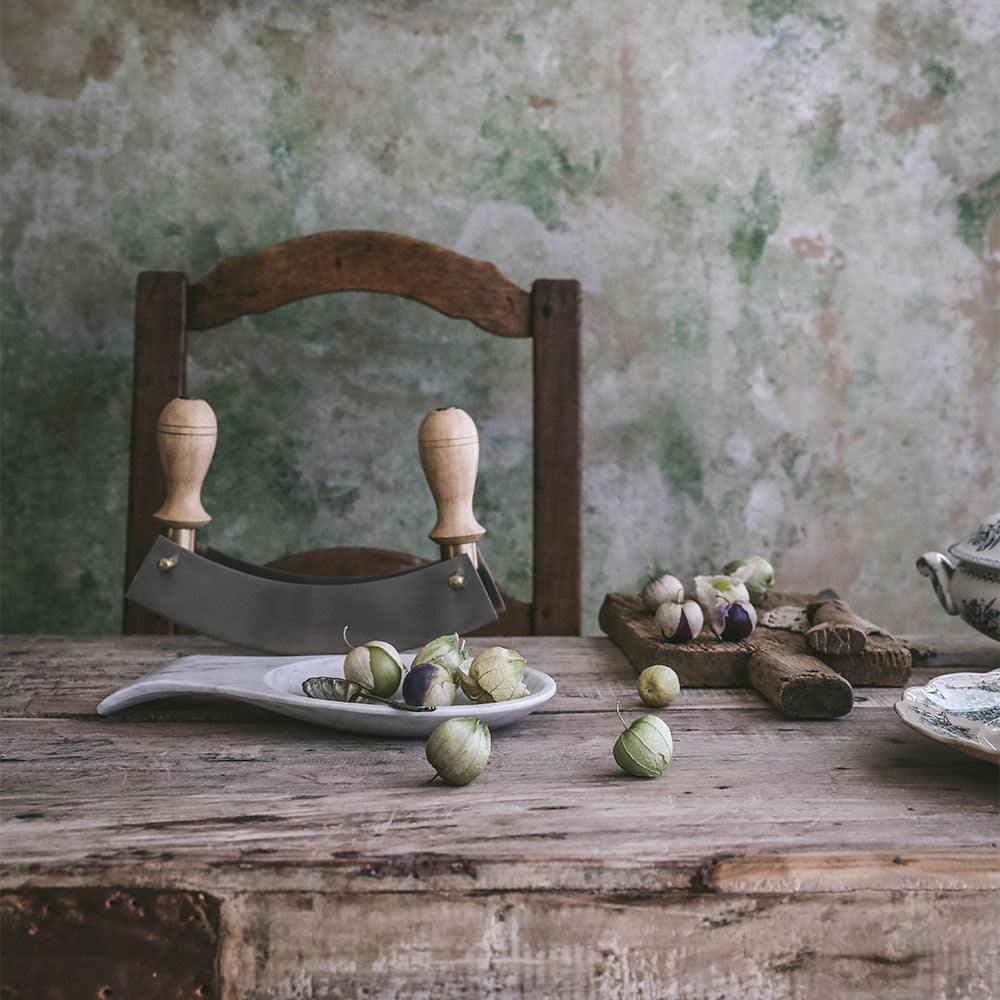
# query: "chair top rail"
360, 260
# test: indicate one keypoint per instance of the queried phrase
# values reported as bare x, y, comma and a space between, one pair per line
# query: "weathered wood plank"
557, 457
564, 946
63, 944
51, 675
60, 675
359, 260
797, 683
303, 803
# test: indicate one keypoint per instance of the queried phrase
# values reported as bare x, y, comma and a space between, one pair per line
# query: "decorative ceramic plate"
275, 683
961, 710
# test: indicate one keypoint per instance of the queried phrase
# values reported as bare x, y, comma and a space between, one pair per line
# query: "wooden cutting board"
778, 662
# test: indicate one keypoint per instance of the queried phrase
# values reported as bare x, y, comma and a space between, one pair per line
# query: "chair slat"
558, 434
359, 260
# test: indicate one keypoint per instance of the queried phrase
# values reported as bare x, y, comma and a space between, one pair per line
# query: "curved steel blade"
292, 613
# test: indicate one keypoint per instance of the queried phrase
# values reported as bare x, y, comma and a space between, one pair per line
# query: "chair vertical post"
558, 463
157, 377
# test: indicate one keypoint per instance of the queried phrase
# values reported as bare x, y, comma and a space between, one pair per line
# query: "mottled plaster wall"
783, 214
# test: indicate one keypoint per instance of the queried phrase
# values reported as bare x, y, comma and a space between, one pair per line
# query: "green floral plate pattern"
960, 710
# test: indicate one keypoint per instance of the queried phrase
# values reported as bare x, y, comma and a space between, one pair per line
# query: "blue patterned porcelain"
961, 710
969, 584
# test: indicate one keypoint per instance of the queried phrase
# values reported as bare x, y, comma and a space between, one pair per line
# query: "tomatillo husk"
645, 747
679, 622
458, 750
376, 666
755, 573
662, 589
428, 684
446, 651
494, 675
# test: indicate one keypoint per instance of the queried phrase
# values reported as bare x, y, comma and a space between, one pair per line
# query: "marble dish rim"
274, 683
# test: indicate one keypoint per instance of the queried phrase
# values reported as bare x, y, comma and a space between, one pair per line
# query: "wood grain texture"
359, 260
836, 629
64, 944
564, 946
797, 683
557, 457
774, 858
186, 437
111, 794
448, 443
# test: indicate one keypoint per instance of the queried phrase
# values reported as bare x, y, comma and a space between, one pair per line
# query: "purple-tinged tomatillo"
446, 651
732, 621
428, 684
679, 622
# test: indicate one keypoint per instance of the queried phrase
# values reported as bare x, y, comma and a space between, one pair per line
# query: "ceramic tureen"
968, 584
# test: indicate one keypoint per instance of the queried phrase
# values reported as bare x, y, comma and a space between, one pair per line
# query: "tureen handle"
940, 569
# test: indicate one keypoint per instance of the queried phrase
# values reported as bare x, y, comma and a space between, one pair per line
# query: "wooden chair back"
167, 307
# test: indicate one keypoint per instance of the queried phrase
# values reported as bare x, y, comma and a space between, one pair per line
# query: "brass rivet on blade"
166, 563
457, 580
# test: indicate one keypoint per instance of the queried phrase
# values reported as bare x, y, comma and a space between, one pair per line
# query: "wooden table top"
207, 849
217, 796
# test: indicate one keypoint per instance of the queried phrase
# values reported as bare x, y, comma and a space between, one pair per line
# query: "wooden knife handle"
836, 629
449, 453
186, 435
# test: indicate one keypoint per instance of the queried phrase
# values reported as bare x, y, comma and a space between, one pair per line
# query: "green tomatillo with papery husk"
375, 666
645, 748
458, 750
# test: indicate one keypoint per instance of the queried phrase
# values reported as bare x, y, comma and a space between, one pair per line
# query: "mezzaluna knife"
290, 613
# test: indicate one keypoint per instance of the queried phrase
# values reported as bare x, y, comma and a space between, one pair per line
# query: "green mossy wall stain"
825, 152
155, 239
678, 452
765, 12
531, 165
676, 217
748, 239
513, 36
975, 210
765, 15
64, 481
292, 132
943, 79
